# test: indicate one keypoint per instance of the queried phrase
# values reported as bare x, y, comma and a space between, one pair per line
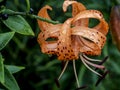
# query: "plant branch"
33, 16
28, 5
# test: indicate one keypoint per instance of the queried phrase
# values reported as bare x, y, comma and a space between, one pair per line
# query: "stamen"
57, 80
101, 78
63, 70
74, 67
83, 60
90, 59
95, 65
57, 83
83, 87
104, 60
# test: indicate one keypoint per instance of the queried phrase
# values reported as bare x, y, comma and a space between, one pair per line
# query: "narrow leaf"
14, 69
10, 82
1, 69
5, 38
18, 24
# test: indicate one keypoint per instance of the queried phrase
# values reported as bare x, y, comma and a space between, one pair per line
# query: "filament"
95, 65
83, 60
74, 67
90, 59
63, 70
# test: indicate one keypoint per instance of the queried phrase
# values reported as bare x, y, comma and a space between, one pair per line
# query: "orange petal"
66, 4
65, 51
53, 31
90, 34
76, 8
47, 31
88, 47
81, 45
43, 13
48, 47
102, 27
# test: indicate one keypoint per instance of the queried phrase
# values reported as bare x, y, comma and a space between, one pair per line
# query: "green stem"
16, 2
33, 16
28, 5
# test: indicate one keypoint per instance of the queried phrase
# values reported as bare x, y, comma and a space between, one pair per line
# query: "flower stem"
33, 16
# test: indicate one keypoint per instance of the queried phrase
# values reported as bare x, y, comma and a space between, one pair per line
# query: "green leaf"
18, 24
14, 69
1, 69
10, 82
5, 38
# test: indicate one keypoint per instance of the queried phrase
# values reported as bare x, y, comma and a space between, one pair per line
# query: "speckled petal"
91, 34
76, 8
65, 51
47, 31
101, 27
43, 13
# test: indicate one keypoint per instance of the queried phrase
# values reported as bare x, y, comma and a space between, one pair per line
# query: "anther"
31, 11
82, 87
4, 16
104, 60
101, 78
57, 83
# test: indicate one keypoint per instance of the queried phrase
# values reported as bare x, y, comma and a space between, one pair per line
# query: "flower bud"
115, 25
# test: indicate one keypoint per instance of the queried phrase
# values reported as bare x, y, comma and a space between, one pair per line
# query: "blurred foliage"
41, 69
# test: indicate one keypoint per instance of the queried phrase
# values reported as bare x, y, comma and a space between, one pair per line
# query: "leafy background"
41, 69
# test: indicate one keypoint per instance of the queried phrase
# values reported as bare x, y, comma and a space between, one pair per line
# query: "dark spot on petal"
68, 50
67, 58
66, 54
65, 47
71, 50
92, 34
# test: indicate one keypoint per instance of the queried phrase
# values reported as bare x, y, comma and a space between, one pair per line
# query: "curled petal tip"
66, 4
48, 7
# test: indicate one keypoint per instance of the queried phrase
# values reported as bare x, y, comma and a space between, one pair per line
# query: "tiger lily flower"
74, 38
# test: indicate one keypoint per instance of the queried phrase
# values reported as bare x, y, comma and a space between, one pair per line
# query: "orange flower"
74, 38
